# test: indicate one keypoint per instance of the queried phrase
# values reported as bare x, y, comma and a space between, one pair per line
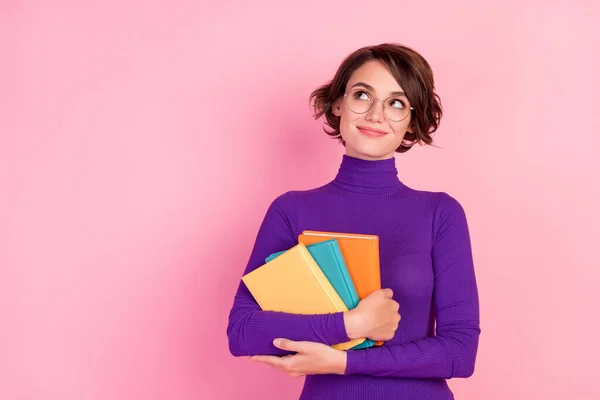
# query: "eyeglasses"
361, 101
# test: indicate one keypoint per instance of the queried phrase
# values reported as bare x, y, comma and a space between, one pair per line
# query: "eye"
397, 103
362, 95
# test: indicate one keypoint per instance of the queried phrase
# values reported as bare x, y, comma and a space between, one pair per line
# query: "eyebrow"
371, 88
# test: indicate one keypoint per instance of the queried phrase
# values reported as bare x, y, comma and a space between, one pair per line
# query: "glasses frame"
373, 102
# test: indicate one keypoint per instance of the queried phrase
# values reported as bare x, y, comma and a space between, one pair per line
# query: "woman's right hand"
375, 317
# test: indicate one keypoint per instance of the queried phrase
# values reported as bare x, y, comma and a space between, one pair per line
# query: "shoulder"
291, 198
283, 203
441, 207
448, 205
437, 202
288, 203
448, 215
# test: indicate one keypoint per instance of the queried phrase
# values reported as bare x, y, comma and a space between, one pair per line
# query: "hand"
311, 358
376, 317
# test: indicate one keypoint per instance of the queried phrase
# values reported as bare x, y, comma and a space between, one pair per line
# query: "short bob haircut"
413, 74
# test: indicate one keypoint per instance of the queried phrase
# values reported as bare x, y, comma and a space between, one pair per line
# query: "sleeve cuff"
356, 362
339, 334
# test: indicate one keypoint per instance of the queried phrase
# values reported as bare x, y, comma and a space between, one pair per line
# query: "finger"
290, 345
387, 293
285, 364
273, 361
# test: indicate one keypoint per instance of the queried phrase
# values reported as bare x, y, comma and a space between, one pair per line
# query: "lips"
371, 132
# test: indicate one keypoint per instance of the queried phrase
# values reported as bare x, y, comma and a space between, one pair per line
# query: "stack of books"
326, 272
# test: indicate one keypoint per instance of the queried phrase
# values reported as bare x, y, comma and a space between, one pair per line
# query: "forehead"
376, 74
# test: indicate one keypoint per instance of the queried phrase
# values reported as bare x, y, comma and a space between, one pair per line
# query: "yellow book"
294, 283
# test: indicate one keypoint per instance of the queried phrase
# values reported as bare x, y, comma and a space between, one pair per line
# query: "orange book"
361, 253
294, 283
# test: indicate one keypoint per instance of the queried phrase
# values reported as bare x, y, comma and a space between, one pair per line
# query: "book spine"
340, 235
343, 271
322, 279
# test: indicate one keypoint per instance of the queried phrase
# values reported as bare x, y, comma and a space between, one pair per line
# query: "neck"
370, 176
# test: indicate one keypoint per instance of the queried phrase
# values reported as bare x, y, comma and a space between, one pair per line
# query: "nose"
375, 114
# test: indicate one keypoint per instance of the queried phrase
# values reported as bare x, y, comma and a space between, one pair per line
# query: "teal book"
329, 258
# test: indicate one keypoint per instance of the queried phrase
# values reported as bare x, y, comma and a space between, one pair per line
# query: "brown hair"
410, 70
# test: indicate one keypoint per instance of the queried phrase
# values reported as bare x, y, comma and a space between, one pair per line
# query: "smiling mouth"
371, 132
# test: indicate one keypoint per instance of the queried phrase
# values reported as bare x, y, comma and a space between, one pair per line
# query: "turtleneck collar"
358, 175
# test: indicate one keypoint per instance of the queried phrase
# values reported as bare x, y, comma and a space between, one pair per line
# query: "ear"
337, 108
411, 126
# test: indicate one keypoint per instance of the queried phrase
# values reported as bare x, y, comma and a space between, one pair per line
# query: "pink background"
142, 141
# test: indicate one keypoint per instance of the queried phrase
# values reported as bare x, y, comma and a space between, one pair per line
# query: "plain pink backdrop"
142, 141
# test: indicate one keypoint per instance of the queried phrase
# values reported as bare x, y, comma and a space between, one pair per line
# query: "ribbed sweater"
426, 259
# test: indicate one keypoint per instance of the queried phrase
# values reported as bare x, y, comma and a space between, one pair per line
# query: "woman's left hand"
311, 358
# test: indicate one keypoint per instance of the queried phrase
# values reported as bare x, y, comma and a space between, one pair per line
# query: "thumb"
290, 345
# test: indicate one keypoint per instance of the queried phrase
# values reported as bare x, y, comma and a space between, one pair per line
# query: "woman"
381, 101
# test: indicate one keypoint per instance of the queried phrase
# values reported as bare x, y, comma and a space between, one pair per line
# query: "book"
294, 283
329, 258
361, 253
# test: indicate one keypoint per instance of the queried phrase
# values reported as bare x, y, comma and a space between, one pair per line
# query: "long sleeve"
250, 330
452, 351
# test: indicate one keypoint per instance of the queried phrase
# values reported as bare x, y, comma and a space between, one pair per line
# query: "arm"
451, 352
250, 330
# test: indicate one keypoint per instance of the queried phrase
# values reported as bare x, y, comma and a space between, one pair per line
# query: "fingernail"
277, 342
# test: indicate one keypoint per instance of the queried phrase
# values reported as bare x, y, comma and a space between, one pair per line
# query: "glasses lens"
396, 109
359, 101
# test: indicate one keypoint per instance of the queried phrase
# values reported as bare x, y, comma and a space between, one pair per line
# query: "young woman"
380, 101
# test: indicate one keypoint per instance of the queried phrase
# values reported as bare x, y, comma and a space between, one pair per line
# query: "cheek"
345, 123
400, 128
349, 119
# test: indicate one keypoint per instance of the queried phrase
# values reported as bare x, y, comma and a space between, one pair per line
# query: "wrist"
352, 325
341, 361
344, 363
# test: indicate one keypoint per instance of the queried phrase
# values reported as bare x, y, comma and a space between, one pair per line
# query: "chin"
369, 154
370, 149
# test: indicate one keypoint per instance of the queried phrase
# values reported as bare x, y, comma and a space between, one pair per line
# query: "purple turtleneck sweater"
426, 260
